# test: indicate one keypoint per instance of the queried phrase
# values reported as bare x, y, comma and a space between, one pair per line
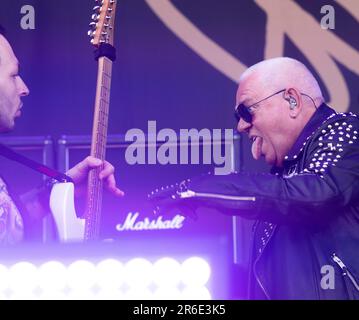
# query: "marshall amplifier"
144, 164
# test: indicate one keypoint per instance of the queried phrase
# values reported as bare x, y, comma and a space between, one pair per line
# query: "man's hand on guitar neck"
79, 174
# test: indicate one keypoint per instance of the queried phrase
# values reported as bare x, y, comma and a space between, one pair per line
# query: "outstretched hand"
165, 199
79, 174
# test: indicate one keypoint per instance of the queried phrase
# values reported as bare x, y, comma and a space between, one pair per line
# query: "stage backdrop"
178, 61
178, 64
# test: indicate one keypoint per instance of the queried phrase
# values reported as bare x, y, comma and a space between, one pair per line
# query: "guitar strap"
105, 50
38, 167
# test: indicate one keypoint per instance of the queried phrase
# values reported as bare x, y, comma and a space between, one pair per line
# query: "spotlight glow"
138, 272
24, 295
195, 272
4, 278
138, 279
81, 275
167, 293
81, 294
110, 294
52, 295
3, 296
110, 274
137, 293
196, 293
23, 277
52, 276
167, 272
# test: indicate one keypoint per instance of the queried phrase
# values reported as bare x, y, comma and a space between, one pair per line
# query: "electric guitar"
69, 226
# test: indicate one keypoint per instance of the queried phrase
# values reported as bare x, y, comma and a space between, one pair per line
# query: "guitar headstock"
103, 24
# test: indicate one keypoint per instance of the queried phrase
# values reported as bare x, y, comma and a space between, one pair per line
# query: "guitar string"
96, 201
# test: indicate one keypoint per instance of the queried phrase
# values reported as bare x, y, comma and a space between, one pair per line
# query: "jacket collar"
319, 117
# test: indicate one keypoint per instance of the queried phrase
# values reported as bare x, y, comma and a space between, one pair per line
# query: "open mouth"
257, 143
18, 112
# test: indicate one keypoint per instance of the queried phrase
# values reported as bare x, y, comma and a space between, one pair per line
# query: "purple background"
156, 77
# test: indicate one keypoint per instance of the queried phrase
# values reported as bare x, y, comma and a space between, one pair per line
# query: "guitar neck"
98, 148
102, 103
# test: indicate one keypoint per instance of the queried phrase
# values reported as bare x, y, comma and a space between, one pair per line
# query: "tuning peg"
109, 9
96, 8
91, 33
95, 17
93, 25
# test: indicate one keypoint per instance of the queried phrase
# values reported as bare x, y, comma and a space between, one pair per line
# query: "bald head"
279, 73
12, 87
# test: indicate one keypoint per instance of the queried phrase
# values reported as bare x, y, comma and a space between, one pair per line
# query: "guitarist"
12, 89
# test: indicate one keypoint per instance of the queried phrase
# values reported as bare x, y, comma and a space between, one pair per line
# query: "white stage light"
196, 293
52, 276
167, 293
52, 295
195, 272
110, 294
137, 293
24, 295
81, 294
81, 275
23, 278
167, 272
3, 296
4, 278
110, 274
109, 279
138, 272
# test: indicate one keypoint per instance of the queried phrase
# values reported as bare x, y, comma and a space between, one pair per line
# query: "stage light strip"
138, 278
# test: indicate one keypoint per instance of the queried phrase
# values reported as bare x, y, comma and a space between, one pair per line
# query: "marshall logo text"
133, 224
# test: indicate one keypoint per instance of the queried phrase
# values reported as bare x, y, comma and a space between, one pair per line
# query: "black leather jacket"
307, 212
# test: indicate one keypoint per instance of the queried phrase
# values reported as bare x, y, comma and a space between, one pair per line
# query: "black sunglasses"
243, 112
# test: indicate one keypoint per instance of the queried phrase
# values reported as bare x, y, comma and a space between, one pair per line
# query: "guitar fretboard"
98, 148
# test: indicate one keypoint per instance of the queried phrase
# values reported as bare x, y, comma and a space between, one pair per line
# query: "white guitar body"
70, 228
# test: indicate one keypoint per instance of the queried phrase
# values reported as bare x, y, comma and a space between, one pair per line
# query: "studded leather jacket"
306, 235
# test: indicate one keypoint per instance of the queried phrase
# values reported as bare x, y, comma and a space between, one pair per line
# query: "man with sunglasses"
306, 234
